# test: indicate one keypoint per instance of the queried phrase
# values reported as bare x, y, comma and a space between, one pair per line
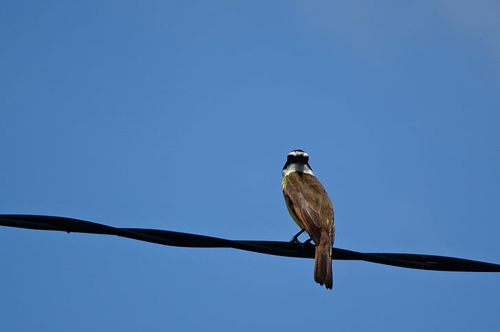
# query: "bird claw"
295, 238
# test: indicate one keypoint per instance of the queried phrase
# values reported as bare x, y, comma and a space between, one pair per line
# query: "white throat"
302, 168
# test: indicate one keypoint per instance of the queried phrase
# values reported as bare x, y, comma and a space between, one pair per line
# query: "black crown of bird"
312, 210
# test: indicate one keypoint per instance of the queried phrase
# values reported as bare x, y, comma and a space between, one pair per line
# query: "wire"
288, 249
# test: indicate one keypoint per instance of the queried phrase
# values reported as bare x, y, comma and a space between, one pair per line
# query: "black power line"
289, 249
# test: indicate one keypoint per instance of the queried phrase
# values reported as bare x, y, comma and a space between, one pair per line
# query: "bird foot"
295, 238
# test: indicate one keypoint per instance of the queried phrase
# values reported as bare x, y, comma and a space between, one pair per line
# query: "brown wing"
312, 210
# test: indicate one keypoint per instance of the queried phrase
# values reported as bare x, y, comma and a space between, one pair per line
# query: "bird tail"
323, 262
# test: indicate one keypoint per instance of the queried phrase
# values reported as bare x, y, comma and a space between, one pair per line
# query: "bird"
312, 210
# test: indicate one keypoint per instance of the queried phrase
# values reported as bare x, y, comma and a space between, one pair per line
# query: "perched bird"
311, 208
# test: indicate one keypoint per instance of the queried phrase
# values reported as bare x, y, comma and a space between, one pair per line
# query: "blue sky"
179, 116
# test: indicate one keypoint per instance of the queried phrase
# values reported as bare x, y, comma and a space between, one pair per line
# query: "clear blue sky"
179, 116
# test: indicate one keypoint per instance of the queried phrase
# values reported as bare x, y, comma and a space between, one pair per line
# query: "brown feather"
314, 210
